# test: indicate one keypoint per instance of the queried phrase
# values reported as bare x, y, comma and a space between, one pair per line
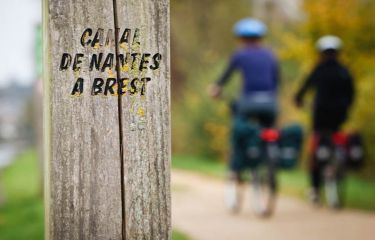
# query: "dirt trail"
198, 210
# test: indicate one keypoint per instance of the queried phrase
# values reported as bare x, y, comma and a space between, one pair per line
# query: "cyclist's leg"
272, 176
236, 165
237, 158
337, 121
320, 123
316, 182
233, 193
235, 168
326, 121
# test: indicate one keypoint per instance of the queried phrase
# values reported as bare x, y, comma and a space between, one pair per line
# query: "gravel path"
198, 211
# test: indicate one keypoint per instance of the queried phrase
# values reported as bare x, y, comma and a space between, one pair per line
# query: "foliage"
201, 121
201, 35
202, 40
353, 22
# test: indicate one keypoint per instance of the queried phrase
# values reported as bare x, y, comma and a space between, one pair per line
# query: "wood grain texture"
146, 138
82, 134
83, 182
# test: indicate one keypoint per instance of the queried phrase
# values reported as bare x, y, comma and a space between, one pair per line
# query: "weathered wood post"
107, 121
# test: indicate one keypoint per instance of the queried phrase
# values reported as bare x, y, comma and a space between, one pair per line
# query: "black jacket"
333, 84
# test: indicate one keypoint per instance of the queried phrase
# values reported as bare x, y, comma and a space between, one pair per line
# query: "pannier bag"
291, 138
246, 143
323, 148
355, 151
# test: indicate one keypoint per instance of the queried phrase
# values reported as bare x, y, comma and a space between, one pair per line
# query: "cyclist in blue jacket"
258, 98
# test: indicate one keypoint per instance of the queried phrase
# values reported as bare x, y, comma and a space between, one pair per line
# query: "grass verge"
360, 194
177, 235
22, 214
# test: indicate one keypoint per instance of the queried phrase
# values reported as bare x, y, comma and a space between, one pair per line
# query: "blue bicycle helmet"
249, 27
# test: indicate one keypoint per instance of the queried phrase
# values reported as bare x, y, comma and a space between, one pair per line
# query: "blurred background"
201, 42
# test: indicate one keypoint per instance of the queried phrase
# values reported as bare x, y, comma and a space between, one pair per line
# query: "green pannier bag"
246, 141
290, 144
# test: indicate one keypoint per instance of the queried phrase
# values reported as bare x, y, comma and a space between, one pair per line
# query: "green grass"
22, 215
176, 235
201, 165
360, 194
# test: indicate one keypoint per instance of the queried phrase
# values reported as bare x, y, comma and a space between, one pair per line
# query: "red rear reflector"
270, 135
340, 138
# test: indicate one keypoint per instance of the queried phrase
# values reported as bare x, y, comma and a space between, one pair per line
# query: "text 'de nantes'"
126, 71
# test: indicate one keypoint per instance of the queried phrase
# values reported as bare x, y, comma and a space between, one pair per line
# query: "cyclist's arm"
228, 72
309, 82
276, 74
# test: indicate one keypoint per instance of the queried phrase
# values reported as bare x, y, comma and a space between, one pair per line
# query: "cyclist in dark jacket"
334, 95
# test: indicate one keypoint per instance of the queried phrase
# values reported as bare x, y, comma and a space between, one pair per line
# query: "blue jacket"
259, 69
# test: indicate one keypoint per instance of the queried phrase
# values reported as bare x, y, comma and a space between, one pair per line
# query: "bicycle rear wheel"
333, 187
263, 186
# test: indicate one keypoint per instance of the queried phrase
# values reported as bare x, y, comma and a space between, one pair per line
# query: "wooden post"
106, 119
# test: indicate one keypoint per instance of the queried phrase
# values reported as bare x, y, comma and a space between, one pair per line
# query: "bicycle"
259, 150
266, 150
335, 154
263, 177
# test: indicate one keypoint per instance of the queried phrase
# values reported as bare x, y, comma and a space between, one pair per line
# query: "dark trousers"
325, 122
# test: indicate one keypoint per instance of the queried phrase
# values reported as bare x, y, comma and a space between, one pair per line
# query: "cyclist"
258, 100
334, 95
